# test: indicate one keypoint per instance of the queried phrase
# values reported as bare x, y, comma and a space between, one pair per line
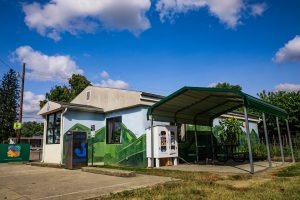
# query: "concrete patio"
229, 167
19, 181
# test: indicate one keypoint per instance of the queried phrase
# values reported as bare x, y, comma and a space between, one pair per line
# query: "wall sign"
14, 153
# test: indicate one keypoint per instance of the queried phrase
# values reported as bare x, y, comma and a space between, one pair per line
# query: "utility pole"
21, 103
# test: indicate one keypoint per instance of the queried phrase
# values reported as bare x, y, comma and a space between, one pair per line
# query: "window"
53, 128
113, 130
88, 95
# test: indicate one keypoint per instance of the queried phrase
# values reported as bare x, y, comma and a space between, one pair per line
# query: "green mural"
131, 151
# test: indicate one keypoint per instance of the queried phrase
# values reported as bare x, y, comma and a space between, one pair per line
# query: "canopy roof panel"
201, 105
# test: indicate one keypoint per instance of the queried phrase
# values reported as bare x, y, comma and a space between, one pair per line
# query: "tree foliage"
32, 128
9, 98
290, 101
229, 131
228, 86
77, 83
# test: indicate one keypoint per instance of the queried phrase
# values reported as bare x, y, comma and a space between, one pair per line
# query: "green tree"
228, 85
32, 128
290, 101
231, 131
9, 98
77, 83
59, 94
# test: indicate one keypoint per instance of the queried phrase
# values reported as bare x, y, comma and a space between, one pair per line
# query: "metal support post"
249, 141
196, 143
280, 141
290, 140
267, 140
152, 143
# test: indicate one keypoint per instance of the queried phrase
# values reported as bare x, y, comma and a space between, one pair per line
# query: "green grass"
291, 171
280, 183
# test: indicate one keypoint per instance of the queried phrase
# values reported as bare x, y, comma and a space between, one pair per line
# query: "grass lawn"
279, 183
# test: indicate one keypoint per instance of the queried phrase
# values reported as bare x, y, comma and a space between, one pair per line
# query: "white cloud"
212, 85
113, 84
287, 87
76, 16
104, 74
258, 9
290, 51
46, 68
108, 82
31, 105
228, 12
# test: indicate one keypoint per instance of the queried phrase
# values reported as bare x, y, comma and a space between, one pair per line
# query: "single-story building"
35, 141
118, 121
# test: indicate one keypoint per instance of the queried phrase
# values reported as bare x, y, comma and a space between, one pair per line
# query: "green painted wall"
132, 150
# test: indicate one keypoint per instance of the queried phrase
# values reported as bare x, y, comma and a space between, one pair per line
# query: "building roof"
52, 106
111, 99
201, 105
102, 99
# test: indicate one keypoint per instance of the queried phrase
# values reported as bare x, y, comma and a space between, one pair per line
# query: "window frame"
113, 137
55, 128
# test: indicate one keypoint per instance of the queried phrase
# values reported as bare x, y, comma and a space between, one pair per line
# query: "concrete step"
109, 172
41, 164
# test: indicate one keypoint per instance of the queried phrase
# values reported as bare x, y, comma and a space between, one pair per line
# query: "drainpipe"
62, 134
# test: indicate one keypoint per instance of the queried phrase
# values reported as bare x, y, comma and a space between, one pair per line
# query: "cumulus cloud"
212, 85
76, 16
258, 9
108, 82
104, 74
290, 51
31, 105
42, 67
113, 84
228, 12
289, 87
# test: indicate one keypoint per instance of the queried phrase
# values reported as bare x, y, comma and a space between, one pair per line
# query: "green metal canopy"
201, 105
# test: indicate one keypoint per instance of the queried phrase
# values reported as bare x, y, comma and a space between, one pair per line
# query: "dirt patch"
243, 184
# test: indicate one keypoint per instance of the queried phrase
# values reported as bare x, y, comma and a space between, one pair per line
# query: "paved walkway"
29, 182
235, 168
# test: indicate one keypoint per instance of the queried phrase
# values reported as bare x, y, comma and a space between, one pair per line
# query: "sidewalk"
30, 182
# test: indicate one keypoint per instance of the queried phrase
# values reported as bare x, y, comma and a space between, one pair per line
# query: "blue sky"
154, 46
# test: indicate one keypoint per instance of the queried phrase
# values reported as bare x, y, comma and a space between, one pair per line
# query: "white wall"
52, 153
134, 119
85, 118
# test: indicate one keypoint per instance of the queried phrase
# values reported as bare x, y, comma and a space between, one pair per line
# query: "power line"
5, 64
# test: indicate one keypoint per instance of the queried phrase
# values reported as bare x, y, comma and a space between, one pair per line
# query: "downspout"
44, 137
62, 135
